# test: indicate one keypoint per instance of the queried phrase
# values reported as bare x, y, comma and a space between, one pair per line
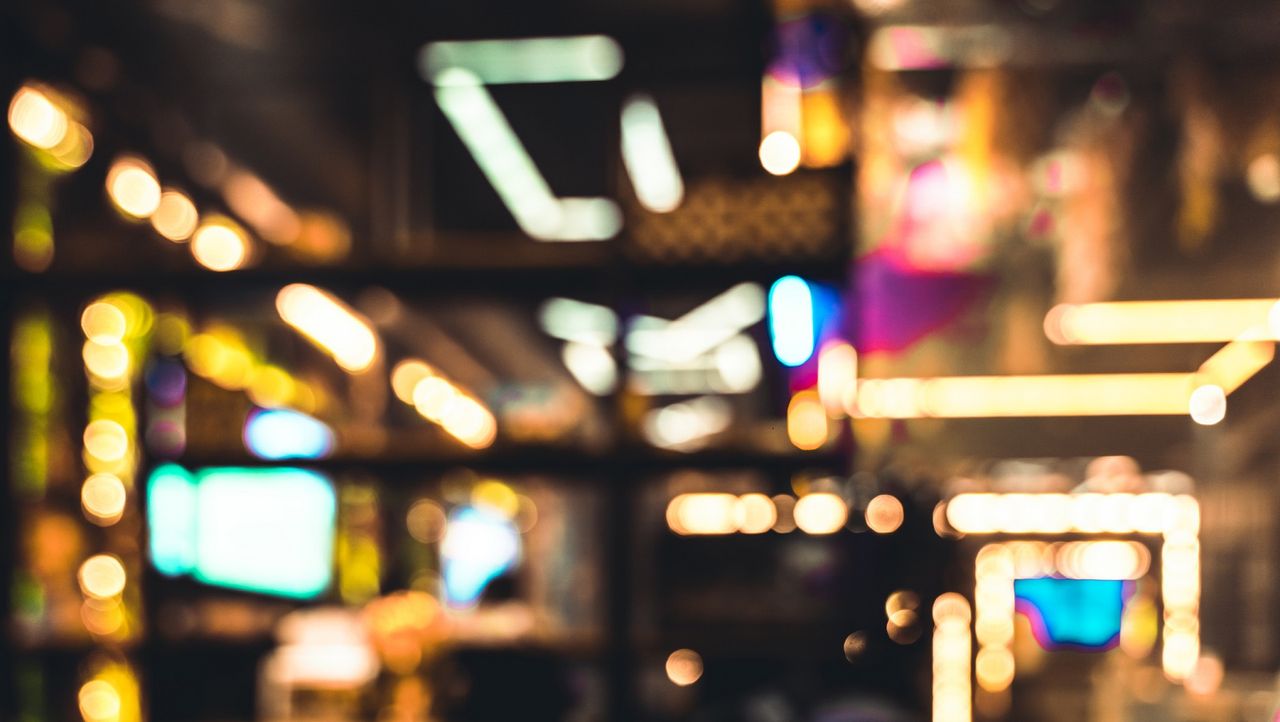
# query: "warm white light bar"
331, 324
574, 58
647, 155
952, 688
1017, 513
1236, 363
1017, 396
1147, 322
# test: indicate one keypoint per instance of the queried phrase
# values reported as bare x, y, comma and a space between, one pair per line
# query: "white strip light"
569, 59
647, 155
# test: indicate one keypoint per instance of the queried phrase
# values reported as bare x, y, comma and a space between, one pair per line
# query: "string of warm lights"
117, 330
50, 123
442, 402
818, 513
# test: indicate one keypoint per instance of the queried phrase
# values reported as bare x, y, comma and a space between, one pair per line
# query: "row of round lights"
442, 402
115, 328
819, 513
52, 125
217, 243
221, 355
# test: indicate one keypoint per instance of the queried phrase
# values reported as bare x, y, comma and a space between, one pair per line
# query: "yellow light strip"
1236, 363
331, 324
1138, 394
1145, 322
1150, 513
952, 690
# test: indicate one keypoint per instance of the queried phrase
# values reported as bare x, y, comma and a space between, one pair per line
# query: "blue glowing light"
284, 434
479, 545
1081, 614
260, 530
171, 520
791, 320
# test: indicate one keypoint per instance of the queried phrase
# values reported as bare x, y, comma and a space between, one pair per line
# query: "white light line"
576, 58
647, 155
506, 164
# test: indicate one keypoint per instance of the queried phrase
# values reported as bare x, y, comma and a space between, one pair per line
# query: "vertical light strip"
993, 617
791, 323
952, 690
647, 155
1180, 589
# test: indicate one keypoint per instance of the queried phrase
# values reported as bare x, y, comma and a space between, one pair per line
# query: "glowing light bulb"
806, 421
884, 514
103, 322
780, 153
133, 188
1208, 405
684, 667
406, 376
220, 245
36, 119
99, 701
103, 497
176, 217
821, 513
101, 576
106, 440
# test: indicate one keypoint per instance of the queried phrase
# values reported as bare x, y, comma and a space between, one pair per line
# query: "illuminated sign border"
1176, 518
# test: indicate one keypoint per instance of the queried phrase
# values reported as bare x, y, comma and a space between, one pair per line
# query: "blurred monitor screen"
258, 530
